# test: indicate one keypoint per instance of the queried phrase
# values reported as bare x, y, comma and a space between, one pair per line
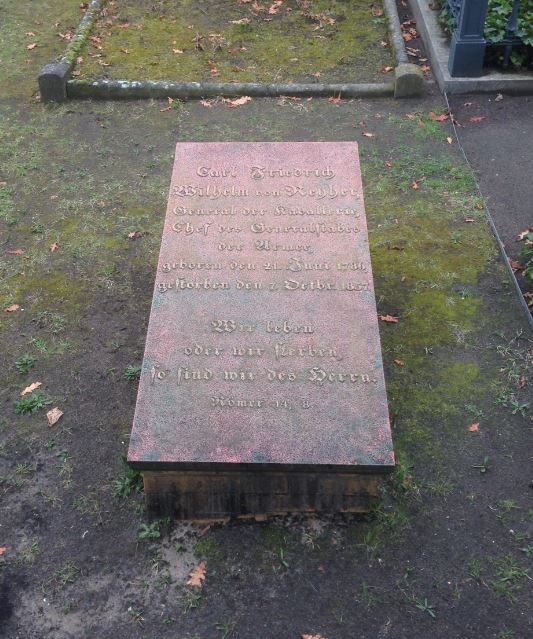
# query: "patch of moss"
332, 40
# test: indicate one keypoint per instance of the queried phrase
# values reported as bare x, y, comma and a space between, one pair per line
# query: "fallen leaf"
369, 135
30, 34
2, 550
415, 185
177, 50
197, 575
313, 637
53, 416
237, 102
449, 140
468, 104
335, 99
498, 98
516, 266
523, 382
31, 46
132, 235
524, 233
76, 73
438, 118
207, 103
476, 118
124, 50
17, 251
388, 318
54, 247
399, 362
12, 308
30, 388
388, 165
474, 427
274, 8
241, 21
469, 220
386, 69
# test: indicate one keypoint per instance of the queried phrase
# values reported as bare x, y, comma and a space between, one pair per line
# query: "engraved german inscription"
263, 343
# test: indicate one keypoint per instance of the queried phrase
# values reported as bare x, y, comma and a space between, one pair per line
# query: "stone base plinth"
218, 495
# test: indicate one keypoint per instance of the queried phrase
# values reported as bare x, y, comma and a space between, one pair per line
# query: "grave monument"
262, 387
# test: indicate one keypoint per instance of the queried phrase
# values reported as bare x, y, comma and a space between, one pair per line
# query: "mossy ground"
232, 41
452, 531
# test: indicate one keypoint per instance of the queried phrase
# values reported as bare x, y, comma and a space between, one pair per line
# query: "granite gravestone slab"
262, 386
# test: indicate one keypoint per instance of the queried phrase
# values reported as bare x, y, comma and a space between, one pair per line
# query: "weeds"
132, 373
68, 574
131, 481
25, 363
30, 404
510, 577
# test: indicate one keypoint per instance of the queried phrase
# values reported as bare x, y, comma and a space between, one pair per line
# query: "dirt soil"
448, 550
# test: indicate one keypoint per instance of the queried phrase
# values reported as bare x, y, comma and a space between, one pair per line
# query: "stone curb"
125, 89
439, 50
55, 85
53, 77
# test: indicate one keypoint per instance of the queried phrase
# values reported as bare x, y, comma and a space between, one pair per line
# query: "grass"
68, 574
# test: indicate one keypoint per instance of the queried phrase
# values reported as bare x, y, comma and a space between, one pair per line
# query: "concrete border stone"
124, 89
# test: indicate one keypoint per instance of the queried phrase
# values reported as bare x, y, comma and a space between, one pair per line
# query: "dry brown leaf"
335, 99
207, 103
524, 233
53, 416
369, 135
274, 8
123, 50
197, 575
30, 388
2, 550
313, 637
523, 382
449, 140
469, 220
388, 165
12, 308
177, 50
31, 46
474, 427
388, 318
237, 102
516, 266
54, 247
476, 118
399, 362
438, 118
17, 251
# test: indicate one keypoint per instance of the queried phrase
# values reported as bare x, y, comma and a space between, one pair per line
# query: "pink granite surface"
263, 344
